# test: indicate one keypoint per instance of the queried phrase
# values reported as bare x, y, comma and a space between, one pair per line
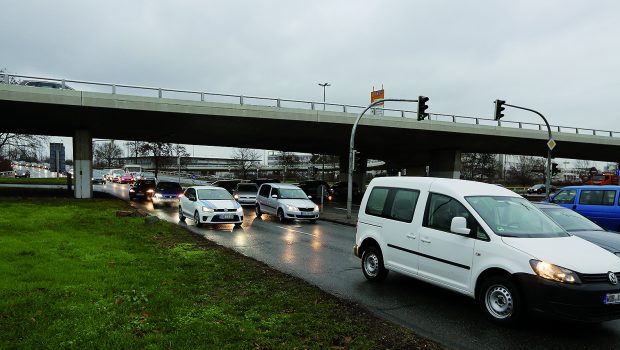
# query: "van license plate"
226, 216
612, 298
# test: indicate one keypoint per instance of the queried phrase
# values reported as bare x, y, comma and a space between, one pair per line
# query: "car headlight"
291, 208
239, 210
208, 210
236, 196
553, 272
316, 207
158, 195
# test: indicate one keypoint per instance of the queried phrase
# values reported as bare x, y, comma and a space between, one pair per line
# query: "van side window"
376, 201
565, 197
440, 211
264, 191
597, 197
392, 203
403, 205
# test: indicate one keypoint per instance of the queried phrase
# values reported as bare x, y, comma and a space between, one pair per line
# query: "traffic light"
554, 169
499, 109
422, 107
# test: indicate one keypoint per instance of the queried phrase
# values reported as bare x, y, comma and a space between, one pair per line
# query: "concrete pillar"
83, 163
359, 175
445, 163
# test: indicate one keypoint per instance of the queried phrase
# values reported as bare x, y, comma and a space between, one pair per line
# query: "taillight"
180, 195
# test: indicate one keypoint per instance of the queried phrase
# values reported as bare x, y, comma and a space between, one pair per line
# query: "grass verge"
77, 276
34, 181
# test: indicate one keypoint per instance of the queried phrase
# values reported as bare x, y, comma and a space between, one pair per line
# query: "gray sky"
559, 57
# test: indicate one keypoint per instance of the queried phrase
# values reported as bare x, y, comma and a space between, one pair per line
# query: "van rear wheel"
500, 300
372, 265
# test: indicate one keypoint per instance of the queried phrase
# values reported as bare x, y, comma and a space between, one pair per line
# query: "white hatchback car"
288, 202
210, 205
488, 243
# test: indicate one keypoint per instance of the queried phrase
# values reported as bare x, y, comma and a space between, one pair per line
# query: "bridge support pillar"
359, 174
445, 163
83, 163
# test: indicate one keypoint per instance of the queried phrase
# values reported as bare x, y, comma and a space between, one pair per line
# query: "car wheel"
281, 215
500, 300
181, 216
258, 212
197, 218
372, 264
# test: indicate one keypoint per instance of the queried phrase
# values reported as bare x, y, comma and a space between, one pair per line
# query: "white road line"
290, 229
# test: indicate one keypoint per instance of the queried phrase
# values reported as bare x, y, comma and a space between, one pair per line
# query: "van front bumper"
577, 302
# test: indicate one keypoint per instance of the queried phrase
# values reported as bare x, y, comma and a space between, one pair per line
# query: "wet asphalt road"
322, 254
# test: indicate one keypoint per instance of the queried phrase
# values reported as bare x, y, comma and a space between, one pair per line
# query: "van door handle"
411, 236
425, 240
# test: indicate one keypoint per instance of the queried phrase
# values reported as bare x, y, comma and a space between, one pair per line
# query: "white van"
486, 242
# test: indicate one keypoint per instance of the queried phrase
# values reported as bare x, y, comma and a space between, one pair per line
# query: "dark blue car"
597, 203
167, 192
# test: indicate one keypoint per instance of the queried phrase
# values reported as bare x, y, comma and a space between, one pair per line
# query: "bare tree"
526, 171
245, 159
288, 161
479, 166
106, 154
135, 149
21, 145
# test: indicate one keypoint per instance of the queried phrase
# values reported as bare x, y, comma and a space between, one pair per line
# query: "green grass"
76, 276
34, 181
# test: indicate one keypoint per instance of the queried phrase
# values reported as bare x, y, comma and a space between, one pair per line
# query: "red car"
125, 178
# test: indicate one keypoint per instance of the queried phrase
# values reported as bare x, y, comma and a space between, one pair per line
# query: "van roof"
451, 187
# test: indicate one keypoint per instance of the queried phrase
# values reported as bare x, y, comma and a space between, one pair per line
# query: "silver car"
245, 193
287, 202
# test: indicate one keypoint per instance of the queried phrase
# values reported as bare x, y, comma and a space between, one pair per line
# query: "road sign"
377, 95
551, 144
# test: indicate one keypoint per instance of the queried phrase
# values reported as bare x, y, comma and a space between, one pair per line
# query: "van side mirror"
309, 197
191, 198
459, 226
274, 196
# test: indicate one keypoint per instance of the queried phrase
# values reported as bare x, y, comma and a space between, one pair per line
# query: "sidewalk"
338, 214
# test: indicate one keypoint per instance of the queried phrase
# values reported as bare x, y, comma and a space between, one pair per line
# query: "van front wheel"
500, 300
372, 265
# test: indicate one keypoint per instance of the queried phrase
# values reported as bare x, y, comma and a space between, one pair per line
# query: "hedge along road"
322, 254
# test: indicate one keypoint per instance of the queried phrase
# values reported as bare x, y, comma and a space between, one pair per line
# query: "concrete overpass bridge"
191, 117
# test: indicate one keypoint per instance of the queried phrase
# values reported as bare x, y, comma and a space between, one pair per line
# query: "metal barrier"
9, 78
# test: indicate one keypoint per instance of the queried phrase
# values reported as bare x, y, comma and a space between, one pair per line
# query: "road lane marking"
290, 229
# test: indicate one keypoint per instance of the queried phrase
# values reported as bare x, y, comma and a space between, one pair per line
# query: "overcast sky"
559, 57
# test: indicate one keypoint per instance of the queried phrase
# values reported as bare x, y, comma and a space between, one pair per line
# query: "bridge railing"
204, 96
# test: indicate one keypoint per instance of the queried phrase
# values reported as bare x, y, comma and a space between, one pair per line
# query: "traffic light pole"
352, 150
548, 177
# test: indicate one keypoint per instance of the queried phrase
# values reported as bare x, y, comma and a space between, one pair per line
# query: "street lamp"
324, 85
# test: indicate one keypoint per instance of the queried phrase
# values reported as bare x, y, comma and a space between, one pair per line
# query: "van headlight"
158, 195
208, 210
554, 273
239, 210
316, 207
291, 208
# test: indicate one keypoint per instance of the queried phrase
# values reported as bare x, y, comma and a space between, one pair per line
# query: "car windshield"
514, 217
247, 188
213, 194
538, 186
570, 220
169, 186
598, 177
292, 193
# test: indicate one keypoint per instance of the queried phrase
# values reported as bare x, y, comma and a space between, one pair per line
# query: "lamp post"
324, 85
352, 150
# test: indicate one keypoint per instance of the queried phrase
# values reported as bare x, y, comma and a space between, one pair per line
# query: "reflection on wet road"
322, 254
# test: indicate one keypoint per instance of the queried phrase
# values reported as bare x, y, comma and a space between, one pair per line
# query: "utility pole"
324, 85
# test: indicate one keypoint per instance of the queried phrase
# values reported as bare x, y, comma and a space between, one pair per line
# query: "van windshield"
515, 217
